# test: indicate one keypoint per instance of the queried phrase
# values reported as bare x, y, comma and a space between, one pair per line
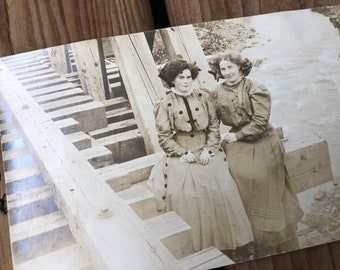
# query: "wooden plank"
80, 140
58, 58
84, 196
44, 84
66, 103
114, 128
173, 232
73, 257
142, 85
31, 25
21, 173
90, 71
98, 156
37, 226
141, 199
308, 164
319, 258
209, 258
124, 146
90, 116
68, 125
37, 79
334, 250
57, 90
177, 40
121, 176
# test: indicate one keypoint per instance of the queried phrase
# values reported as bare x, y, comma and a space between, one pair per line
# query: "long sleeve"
261, 104
164, 131
213, 132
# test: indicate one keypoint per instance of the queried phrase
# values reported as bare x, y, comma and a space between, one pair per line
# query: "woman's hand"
205, 157
229, 137
189, 157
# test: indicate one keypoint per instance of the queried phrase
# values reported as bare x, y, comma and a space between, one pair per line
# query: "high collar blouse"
171, 117
244, 107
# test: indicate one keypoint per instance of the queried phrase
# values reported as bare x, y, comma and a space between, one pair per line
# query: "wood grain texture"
193, 11
34, 24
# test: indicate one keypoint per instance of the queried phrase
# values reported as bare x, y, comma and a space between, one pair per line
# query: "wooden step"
7, 128
52, 89
26, 184
60, 95
19, 162
173, 232
120, 114
115, 103
23, 197
74, 257
35, 73
37, 226
141, 199
65, 103
209, 258
68, 125
22, 173
12, 154
44, 84
18, 58
24, 64
98, 156
29, 69
80, 140
27, 82
113, 77
91, 116
13, 144
121, 176
42, 244
10, 137
114, 128
124, 146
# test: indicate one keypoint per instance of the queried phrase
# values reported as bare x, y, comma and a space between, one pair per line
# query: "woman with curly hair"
255, 155
199, 187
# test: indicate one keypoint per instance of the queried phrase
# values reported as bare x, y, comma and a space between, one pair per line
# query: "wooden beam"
142, 85
89, 66
58, 58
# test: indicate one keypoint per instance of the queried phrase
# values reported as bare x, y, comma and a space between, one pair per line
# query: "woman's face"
183, 81
230, 71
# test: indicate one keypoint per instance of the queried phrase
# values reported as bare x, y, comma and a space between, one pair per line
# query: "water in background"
301, 68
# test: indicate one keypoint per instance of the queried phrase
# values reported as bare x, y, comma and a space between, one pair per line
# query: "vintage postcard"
190, 147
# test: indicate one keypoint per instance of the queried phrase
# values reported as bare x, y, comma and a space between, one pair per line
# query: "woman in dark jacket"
255, 155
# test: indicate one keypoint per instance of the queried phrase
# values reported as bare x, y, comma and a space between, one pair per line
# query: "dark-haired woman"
255, 155
199, 186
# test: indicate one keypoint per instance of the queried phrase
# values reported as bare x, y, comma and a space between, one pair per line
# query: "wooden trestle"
76, 167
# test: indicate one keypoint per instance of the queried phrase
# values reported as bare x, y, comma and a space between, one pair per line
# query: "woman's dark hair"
244, 63
171, 70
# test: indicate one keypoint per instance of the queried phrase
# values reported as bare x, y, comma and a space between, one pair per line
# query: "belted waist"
193, 140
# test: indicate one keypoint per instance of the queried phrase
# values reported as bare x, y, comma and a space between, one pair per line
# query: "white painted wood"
65, 103
69, 258
98, 156
142, 85
86, 55
174, 233
68, 125
111, 241
57, 56
80, 140
37, 226
52, 89
43, 84
14, 153
21, 173
37, 79
28, 196
209, 258
91, 116
60, 95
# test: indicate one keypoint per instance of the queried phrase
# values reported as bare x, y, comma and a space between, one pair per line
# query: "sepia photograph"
190, 147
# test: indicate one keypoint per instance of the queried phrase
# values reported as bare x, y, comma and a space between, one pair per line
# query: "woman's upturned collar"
175, 91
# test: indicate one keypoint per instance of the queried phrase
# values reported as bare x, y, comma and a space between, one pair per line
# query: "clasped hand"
204, 159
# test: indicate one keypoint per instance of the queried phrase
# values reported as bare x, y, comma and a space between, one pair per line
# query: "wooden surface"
194, 11
34, 24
